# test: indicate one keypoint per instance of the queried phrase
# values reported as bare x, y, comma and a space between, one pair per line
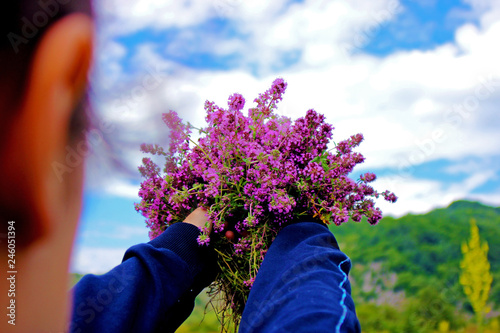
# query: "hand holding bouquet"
255, 174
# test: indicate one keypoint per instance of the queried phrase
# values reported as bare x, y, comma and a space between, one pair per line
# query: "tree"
476, 278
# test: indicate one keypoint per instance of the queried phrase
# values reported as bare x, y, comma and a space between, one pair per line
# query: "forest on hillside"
405, 275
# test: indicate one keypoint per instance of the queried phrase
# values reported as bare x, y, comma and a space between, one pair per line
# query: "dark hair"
22, 24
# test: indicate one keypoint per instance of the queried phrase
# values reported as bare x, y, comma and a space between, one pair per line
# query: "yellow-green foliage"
475, 277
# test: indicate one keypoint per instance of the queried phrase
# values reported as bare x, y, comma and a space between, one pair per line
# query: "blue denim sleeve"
152, 290
302, 285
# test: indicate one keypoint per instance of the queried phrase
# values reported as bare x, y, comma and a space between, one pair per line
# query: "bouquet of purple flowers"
254, 174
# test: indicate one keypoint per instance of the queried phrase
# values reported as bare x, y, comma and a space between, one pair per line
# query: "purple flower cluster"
254, 174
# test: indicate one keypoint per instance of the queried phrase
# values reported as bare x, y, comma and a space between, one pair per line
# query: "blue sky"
419, 79
421, 25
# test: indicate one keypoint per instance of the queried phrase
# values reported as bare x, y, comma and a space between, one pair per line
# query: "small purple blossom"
152, 149
236, 102
149, 169
279, 86
203, 239
389, 196
368, 177
249, 283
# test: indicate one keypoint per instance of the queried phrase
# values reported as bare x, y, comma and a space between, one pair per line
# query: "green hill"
423, 249
413, 261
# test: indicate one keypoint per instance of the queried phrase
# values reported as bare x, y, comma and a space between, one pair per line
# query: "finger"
198, 218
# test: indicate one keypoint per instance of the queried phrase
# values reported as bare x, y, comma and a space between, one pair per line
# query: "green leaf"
325, 165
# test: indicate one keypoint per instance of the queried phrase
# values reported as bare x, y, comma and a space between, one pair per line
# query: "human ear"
56, 82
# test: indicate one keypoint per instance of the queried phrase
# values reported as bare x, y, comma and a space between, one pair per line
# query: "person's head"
45, 55
45, 52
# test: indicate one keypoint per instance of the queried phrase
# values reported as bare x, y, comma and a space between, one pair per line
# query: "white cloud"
419, 196
132, 234
492, 199
108, 68
412, 106
466, 167
125, 16
472, 182
121, 188
487, 10
95, 260
128, 232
